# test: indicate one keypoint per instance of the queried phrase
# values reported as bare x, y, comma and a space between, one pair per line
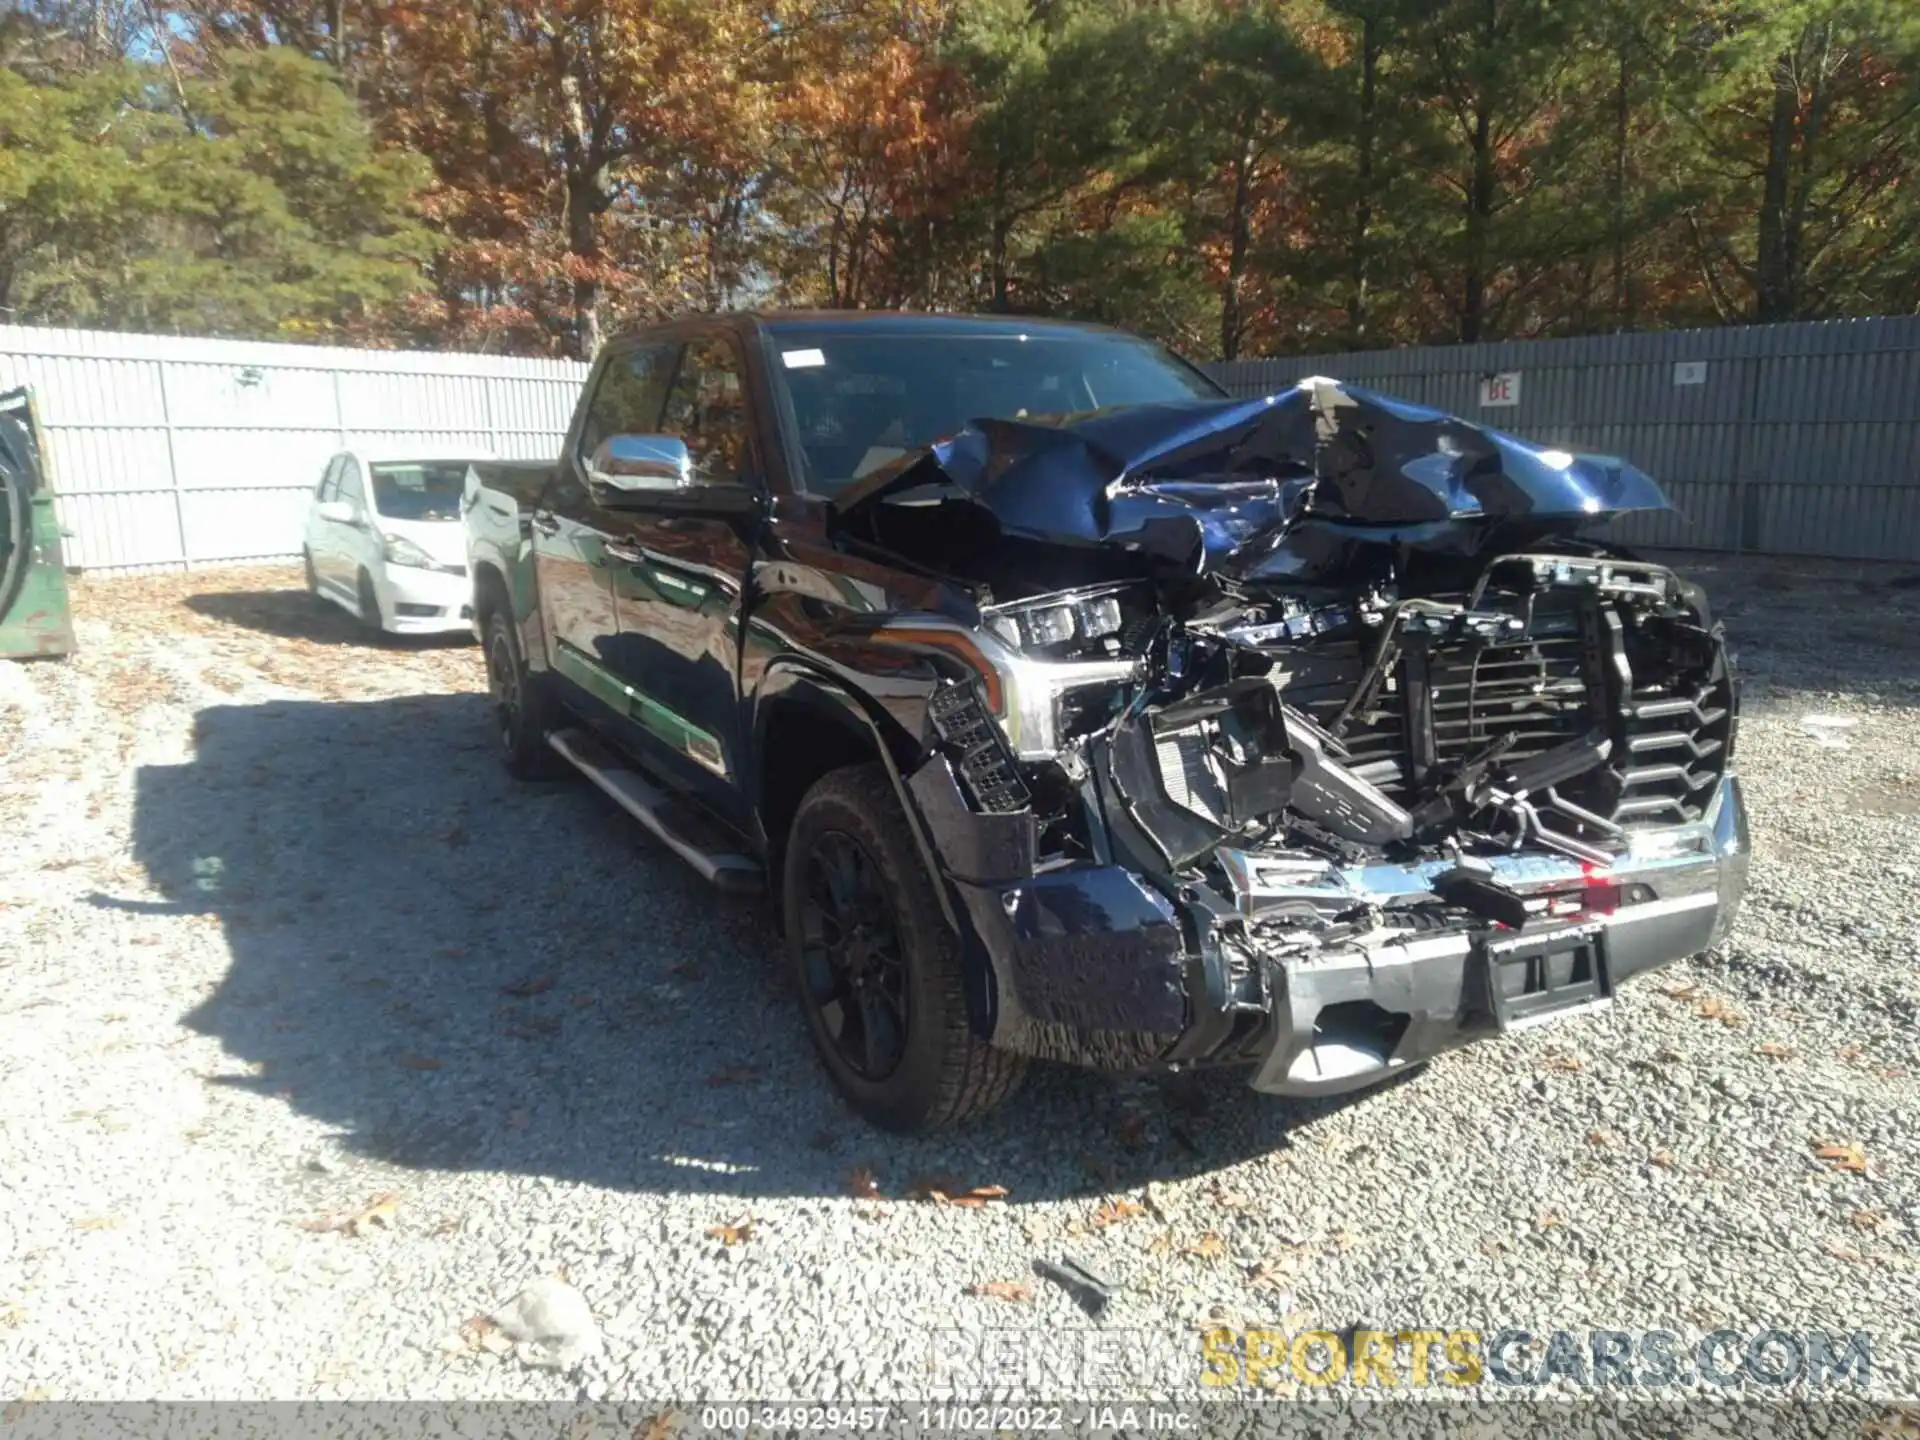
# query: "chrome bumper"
1405, 995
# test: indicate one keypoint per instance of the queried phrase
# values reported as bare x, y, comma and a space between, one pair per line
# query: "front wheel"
877, 968
521, 711
369, 601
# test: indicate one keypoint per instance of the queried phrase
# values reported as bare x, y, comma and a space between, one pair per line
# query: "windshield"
419, 489
859, 401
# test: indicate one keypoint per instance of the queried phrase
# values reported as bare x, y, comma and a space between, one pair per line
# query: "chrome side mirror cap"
642, 464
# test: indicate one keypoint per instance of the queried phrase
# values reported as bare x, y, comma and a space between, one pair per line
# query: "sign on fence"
1501, 389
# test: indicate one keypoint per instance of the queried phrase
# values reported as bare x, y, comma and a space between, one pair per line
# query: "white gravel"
320, 1039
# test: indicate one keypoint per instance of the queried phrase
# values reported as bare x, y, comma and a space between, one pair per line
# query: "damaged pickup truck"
1070, 709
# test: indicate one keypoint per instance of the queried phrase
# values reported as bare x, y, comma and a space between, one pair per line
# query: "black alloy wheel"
855, 973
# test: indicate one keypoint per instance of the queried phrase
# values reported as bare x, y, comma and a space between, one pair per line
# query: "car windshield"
859, 401
419, 489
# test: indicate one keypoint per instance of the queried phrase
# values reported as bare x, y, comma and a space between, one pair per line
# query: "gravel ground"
319, 1038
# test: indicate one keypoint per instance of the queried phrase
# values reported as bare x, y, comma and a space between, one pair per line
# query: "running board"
658, 810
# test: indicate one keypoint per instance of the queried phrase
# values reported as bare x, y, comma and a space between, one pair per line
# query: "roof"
902, 322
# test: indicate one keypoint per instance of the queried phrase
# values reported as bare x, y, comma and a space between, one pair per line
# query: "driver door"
679, 578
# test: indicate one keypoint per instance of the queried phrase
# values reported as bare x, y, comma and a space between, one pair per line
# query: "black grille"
1534, 693
1671, 731
980, 751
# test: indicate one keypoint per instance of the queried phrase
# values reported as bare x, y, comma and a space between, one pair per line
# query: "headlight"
398, 550
1042, 624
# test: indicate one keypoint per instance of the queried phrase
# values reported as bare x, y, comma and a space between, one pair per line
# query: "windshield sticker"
803, 359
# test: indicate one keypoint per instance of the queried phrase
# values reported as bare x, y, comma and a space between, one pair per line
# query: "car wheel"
522, 712
369, 600
877, 968
313, 581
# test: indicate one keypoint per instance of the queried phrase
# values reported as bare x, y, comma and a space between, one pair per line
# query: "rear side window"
329, 486
707, 408
350, 488
629, 397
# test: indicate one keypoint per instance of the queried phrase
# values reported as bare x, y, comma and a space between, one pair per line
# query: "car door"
320, 539
570, 527
357, 542
679, 574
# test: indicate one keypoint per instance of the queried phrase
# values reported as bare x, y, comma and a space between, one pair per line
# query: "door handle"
626, 554
545, 523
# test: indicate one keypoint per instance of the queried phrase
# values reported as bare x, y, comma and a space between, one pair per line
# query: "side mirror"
655, 472
338, 511
641, 465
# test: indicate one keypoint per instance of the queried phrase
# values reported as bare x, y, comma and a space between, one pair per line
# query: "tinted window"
707, 407
420, 489
858, 401
628, 398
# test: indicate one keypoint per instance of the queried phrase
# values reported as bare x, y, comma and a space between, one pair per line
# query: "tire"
876, 967
313, 581
523, 712
369, 602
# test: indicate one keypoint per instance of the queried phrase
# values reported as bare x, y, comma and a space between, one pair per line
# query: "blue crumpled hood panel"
1222, 485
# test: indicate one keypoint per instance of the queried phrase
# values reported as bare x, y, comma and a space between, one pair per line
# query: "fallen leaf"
861, 1184
1342, 1241
1114, 1211
1850, 1156
1229, 1199
378, 1212
1015, 1291
421, 1062
734, 1232
1662, 1158
1774, 1050
1161, 1244
1493, 1248
528, 988
1713, 1007
97, 1222
932, 1187
1680, 991
1871, 1221
1851, 1053
12, 1317
1842, 1252
1269, 1275
1603, 1139
475, 1329
735, 1075
658, 1428
1561, 1060
1208, 1247
978, 1196
1547, 1220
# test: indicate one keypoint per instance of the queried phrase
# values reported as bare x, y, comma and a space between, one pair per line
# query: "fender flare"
794, 681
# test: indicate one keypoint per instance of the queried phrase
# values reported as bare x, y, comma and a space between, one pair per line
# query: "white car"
384, 541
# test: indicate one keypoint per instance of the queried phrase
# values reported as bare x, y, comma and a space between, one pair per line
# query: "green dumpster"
35, 618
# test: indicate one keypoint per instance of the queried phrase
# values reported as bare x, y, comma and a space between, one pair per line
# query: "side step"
673, 821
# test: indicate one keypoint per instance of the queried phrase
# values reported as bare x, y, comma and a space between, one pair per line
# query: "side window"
351, 490
707, 407
628, 398
329, 486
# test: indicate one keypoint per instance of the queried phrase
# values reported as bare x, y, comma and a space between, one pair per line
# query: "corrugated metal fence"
1779, 439
169, 453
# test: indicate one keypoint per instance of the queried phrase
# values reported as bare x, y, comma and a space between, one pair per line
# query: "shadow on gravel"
457, 972
296, 615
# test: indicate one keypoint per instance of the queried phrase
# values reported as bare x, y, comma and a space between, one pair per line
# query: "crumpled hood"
1218, 484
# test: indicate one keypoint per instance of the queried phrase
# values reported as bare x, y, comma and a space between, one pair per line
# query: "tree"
1808, 116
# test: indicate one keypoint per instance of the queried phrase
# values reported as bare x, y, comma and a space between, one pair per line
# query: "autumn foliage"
1236, 176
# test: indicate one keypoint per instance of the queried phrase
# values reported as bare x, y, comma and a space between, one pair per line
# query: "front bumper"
1099, 965
424, 602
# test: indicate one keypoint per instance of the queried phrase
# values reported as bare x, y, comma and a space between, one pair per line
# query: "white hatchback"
384, 541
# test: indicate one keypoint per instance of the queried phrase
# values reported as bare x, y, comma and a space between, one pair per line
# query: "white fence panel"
169, 453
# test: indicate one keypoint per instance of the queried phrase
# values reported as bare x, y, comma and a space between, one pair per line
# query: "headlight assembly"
398, 550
